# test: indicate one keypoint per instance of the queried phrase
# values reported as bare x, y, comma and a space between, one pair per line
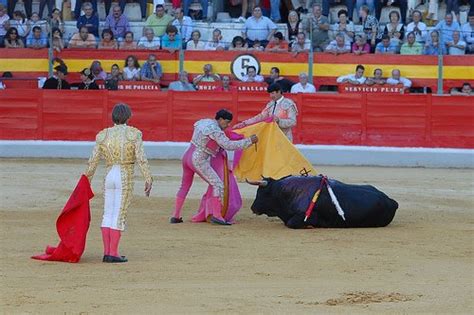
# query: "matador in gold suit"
121, 147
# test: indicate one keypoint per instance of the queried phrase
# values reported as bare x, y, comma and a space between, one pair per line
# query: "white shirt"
192, 46
258, 78
351, 77
299, 88
212, 45
422, 27
467, 32
130, 74
3, 19
297, 48
21, 27
144, 43
458, 51
406, 83
185, 27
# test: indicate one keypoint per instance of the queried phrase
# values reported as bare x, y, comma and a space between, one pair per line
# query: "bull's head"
264, 202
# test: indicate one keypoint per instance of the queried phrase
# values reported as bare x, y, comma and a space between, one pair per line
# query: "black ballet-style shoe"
108, 258
174, 220
219, 221
114, 259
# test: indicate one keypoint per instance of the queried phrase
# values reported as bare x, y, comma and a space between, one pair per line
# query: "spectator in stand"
12, 40
258, 27
395, 30
467, 32
345, 26
379, 4
36, 21
257, 46
216, 42
348, 3
87, 81
117, 23
302, 44
131, 69
113, 78
252, 75
339, 46
457, 46
56, 20
238, 43
417, 27
225, 87
159, 21
453, 6
79, 7
36, 39
90, 20
360, 46
58, 43
294, 26
128, 42
446, 28
149, 41
370, 4
184, 24
277, 44
49, 3
27, 3
207, 76
398, 79
433, 45
3, 21
303, 86
98, 71
83, 39
465, 90
411, 47
357, 78
204, 4
108, 41
183, 83
171, 40
386, 46
58, 80
370, 26
318, 26
275, 77
195, 43
239, 9
108, 4
21, 24
377, 78
151, 70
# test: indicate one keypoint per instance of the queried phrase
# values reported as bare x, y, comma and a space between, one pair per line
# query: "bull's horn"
261, 183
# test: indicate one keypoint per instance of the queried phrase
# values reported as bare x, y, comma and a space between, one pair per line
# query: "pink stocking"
215, 206
106, 240
178, 207
114, 242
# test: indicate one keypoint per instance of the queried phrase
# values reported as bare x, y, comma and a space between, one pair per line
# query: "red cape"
72, 226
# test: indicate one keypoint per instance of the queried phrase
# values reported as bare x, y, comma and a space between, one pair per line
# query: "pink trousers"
212, 171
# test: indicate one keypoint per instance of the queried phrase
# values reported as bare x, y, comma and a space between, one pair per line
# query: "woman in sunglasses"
12, 40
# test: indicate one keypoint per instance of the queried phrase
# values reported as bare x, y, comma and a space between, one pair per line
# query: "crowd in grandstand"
356, 29
308, 26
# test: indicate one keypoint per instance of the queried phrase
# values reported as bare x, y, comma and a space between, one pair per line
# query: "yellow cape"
274, 155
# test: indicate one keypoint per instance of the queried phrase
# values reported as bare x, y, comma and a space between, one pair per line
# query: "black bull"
289, 197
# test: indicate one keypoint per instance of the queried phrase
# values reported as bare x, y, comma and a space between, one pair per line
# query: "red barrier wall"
422, 120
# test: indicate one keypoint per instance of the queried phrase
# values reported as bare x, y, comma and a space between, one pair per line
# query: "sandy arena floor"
422, 262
